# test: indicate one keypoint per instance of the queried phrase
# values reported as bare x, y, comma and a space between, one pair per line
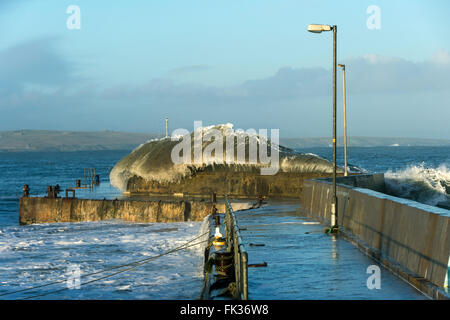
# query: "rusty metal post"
73, 193
244, 275
217, 219
227, 225
213, 197
26, 190
237, 264
56, 190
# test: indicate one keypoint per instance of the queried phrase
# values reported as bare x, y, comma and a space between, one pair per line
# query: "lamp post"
167, 127
318, 28
345, 119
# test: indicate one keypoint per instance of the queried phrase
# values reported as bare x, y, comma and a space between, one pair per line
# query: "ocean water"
41, 169
417, 173
43, 253
153, 159
38, 254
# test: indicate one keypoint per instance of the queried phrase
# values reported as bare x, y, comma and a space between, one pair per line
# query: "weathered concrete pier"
226, 259
409, 238
247, 185
290, 257
50, 210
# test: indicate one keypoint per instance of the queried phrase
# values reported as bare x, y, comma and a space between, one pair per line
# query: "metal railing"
235, 245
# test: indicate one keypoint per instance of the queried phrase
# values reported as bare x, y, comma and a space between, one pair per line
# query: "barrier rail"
235, 245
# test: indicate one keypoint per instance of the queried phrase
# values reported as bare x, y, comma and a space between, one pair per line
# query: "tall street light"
318, 28
345, 119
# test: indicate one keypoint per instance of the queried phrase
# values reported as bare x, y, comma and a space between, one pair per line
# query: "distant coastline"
364, 142
48, 140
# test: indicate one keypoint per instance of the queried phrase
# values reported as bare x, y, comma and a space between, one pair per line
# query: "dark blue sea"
37, 254
417, 173
425, 169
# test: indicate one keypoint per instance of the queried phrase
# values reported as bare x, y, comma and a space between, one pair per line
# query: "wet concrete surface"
305, 263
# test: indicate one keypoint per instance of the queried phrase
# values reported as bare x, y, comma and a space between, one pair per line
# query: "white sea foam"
38, 254
420, 183
69, 243
152, 160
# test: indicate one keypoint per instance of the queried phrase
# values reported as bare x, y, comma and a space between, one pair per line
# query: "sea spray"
153, 160
420, 183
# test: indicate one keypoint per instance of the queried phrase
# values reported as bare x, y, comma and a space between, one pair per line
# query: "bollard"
67, 193
217, 219
244, 276
26, 190
49, 191
52, 191
260, 200
223, 262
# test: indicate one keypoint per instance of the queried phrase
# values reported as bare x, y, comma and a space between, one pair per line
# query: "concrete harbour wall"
368, 181
48, 210
234, 184
411, 238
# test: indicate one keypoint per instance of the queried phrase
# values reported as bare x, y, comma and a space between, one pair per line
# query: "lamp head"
318, 28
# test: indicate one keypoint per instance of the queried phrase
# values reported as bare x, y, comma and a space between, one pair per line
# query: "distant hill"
363, 142
45, 140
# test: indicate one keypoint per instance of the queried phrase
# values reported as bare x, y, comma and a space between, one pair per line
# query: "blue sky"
251, 63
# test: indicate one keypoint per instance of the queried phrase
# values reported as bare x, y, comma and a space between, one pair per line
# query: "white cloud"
189, 69
38, 87
377, 59
441, 57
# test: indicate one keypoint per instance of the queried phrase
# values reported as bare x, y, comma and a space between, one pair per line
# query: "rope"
137, 263
121, 271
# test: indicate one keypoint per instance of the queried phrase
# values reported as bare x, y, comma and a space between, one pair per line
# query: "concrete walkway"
305, 263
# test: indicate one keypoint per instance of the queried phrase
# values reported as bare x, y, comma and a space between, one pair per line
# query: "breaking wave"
152, 160
420, 183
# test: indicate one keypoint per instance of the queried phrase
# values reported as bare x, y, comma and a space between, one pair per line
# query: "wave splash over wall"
153, 162
420, 183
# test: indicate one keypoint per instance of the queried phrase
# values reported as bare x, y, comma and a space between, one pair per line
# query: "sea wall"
410, 238
49, 210
368, 181
235, 184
